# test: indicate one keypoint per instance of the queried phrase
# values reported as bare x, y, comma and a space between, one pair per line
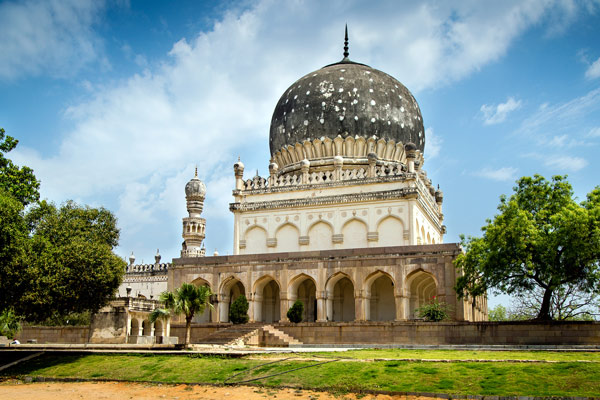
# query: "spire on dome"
196, 172
346, 53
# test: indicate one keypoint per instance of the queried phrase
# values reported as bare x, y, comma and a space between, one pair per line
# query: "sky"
115, 102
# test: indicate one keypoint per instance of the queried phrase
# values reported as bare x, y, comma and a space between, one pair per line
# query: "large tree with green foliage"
19, 182
541, 239
71, 266
188, 300
53, 260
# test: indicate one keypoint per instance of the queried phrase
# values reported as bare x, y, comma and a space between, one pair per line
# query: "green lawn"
483, 378
374, 354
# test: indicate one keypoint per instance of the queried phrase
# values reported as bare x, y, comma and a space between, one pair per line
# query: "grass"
374, 354
481, 378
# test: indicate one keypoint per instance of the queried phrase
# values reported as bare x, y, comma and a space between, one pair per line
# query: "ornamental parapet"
147, 268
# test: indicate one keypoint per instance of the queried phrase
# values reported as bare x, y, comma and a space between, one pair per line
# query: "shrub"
238, 312
294, 314
10, 324
434, 311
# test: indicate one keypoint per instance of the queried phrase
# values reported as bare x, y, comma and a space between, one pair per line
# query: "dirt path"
14, 390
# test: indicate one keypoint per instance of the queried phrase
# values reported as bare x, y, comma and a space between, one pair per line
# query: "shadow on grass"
38, 364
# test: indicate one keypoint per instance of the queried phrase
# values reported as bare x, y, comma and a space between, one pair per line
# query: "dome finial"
346, 54
196, 172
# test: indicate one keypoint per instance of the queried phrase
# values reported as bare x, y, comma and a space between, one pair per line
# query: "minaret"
193, 224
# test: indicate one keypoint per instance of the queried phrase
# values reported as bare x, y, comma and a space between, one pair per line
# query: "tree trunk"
188, 330
544, 314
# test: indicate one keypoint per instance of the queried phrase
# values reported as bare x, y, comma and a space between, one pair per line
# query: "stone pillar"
141, 327
321, 307
284, 306
167, 331
257, 307
372, 157
224, 309
367, 306
401, 307
359, 309
329, 307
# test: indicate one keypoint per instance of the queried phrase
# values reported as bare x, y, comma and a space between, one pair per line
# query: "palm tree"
188, 300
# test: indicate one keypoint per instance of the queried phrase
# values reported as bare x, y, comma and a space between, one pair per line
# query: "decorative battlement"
147, 268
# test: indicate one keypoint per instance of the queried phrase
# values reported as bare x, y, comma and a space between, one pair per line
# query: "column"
321, 307
359, 310
224, 309
401, 305
284, 306
257, 307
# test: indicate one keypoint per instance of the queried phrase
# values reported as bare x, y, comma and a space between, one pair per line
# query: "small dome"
347, 99
195, 187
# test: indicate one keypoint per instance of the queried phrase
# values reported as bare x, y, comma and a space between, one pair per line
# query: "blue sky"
115, 102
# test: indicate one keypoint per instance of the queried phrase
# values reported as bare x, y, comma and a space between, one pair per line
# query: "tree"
498, 313
541, 238
13, 249
238, 312
71, 267
10, 324
294, 314
434, 311
567, 304
188, 300
19, 182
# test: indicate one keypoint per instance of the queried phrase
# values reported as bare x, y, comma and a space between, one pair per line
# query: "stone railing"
319, 177
147, 268
193, 252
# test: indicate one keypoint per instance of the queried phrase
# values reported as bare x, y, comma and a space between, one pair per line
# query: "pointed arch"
340, 298
380, 302
256, 240
304, 288
267, 303
390, 231
421, 288
287, 236
320, 235
205, 317
354, 232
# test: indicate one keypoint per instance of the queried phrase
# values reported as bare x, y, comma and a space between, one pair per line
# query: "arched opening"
303, 288
256, 240
146, 328
391, 232
422, 289
355, 234
267, 302
340, 299
231, 290
204, 317
158, 328
287, 238
320, 235
135, 327
380, 295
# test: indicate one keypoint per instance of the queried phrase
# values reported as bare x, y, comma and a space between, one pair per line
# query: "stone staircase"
234, 335
251, 334
274, 337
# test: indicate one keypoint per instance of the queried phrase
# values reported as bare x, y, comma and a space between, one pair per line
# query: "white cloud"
212, 96
552, 118
566, 163
499, 174
48, 37
494, 114
433, 144
593, 70
594, 132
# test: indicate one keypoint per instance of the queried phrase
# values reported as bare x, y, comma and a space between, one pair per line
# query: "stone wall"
198, 331
54, 334
431, 333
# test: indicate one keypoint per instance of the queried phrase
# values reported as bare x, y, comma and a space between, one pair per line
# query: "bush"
238, 312
434, 311
294, 314
10, 324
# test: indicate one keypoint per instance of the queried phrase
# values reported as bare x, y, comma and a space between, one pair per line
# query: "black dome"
347, 99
